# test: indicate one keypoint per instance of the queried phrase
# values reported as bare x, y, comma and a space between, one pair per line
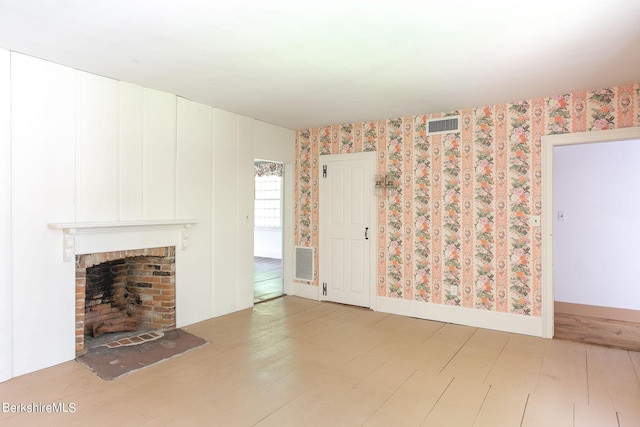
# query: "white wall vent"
304, 263
443, 125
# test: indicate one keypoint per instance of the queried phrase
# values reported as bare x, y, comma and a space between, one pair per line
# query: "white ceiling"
302, 64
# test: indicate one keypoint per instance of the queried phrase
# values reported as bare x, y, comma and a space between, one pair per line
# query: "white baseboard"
305, 291
506, 322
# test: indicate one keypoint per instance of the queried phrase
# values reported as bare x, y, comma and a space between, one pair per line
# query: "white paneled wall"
158, 155
238, 141
96, 148
79, 147
268, 144
225, 159
244, 218
130, 151
194, 200
6, 298
43, 191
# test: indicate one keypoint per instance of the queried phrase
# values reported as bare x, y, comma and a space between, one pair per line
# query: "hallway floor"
267, 278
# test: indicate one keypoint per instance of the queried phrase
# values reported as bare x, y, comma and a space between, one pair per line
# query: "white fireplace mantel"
130, 233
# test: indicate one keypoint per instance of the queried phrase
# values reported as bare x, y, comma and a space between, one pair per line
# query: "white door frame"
548, 143
286, 221
371, 157
287, 228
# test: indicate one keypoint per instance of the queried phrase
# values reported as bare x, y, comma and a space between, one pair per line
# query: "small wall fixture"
384, 181
389, 180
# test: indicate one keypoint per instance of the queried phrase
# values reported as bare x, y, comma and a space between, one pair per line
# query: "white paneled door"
347, 228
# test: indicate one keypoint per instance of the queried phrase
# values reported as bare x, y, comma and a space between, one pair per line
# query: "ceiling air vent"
443, 125
304, 263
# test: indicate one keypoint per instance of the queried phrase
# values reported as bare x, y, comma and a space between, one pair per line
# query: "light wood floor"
267, 278
592, 330
292, 362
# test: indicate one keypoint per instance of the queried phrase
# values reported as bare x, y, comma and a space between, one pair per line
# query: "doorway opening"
268, 230
556, 217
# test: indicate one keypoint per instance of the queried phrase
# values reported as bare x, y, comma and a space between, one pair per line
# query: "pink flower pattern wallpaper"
460, 215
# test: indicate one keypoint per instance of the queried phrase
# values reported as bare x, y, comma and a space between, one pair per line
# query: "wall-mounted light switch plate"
562, 216
534, 220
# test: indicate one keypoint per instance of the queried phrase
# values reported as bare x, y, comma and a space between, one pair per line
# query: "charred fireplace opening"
121, 291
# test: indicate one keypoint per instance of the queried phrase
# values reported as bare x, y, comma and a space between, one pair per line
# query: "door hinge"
324, 289
324, 171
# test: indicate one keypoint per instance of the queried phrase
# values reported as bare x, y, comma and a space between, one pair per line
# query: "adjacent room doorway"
554, 215
268, 230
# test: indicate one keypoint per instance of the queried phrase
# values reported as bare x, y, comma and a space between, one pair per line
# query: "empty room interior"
326, 213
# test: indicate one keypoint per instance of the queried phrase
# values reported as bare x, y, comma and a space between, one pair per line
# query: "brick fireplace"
136, 284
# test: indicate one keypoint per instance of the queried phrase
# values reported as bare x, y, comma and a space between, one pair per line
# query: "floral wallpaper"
460, 215
268, 169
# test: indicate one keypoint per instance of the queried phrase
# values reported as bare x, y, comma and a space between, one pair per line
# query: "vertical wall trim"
287, 229
6, 231
77, 146
118, 153
143, 210
175, 158
238, 201
213, 212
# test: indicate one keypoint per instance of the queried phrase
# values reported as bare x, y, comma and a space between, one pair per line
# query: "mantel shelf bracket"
184, 241
69, 244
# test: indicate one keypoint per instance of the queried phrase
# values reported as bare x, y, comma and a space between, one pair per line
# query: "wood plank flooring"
267, 278
292, 361
592, 330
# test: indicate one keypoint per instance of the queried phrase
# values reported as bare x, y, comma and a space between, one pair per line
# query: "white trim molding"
305, 291
548, 143
507, 322
71, 230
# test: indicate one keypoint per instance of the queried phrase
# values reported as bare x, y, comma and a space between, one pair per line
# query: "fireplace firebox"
132, 287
